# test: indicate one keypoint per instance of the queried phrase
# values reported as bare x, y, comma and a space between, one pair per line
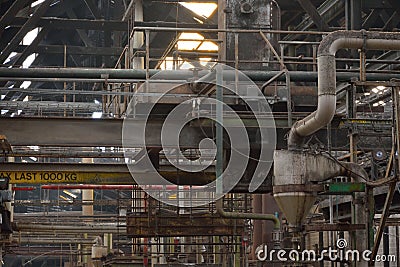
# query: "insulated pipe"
327, 76
240, 215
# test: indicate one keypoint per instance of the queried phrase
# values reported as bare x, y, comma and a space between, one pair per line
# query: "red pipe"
117, 187
23, 188
90, 186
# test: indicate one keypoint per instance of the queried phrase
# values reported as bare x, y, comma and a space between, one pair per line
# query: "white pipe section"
327, 76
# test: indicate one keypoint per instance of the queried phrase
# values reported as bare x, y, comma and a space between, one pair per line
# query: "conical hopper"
295, 205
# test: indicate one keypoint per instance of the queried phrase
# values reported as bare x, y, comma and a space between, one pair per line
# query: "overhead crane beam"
91, 173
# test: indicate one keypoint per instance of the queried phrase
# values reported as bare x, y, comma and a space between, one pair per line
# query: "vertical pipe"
397, 117
9, 205
397, 246
355, 15
73, 98
257, 231
87, 210
347, 11
289, 98
137, 38
147, 32
65, 83
219, 130
321, 246
222, 26
236, 64
314, 53
386, 245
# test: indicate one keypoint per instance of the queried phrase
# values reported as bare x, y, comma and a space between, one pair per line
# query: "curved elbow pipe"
239, 215
327, 76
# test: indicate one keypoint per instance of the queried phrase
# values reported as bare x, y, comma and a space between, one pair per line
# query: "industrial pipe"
240, 215
90, 186
120, 75
121, 187
327, 76
28, 227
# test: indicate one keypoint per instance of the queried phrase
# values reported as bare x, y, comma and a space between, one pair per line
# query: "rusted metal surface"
333, 227
182, 225
299, 188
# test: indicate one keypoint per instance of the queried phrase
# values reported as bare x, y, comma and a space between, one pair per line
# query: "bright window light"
201, 9
186, 65
208, 46
189, 45
29, 60
10, 57
97, 115
26, 84
379, 89
26, 98
70, 194
38, 2
167, 64
30, 36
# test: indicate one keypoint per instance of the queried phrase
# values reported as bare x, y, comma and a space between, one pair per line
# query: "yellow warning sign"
46, 177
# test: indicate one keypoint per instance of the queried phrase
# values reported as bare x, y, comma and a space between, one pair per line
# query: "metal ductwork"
327, 76
294, 170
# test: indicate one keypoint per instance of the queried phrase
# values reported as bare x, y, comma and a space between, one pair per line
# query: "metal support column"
392, 186
219, 130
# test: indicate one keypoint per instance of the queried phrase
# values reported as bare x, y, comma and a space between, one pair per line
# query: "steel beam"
73, 50
84, 132
82, 34
95, 173
30, 48
333, 227
75, 23
9, 16
103, 25
29, 25
93, 8
314, 15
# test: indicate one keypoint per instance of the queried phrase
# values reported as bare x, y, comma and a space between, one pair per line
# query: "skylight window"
30, 36
201, 9
38, 2
187, 41
189, 44
28, 61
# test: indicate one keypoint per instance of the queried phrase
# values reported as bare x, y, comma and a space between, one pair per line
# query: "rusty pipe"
240, 215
